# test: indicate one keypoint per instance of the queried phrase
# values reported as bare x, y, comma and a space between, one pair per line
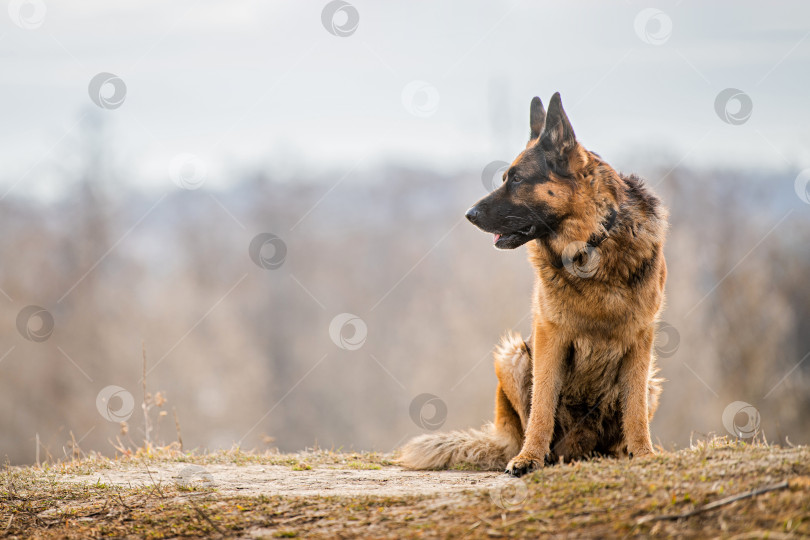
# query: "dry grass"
599, 498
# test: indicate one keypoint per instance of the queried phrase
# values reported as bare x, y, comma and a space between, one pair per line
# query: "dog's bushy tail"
483, 448
488, 448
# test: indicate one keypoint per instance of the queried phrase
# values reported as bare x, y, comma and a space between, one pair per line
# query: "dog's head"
539, 186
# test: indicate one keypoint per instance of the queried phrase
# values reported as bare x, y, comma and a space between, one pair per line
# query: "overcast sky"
435, 84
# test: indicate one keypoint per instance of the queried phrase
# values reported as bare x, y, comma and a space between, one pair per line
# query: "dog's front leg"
548, 355
635, 374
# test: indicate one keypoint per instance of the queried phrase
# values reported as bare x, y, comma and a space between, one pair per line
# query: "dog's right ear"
537, 118
558, 140
559, 136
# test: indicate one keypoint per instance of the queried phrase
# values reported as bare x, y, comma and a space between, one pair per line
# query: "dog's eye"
516, 179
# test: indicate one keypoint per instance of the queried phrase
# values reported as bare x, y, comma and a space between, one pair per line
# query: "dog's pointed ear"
558, 136
537, 118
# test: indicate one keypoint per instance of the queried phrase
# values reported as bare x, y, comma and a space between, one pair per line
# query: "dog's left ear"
558, 137
537, 118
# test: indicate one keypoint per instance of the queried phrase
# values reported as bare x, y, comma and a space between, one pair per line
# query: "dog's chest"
591, 370
603, 311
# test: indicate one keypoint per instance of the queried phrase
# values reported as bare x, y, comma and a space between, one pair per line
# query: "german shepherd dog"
584, 383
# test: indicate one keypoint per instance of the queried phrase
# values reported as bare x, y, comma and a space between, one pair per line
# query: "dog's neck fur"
609, 217
607, 224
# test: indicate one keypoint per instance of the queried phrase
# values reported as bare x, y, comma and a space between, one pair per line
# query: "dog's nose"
472, 214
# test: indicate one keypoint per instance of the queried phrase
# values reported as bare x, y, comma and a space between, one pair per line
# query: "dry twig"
717, 504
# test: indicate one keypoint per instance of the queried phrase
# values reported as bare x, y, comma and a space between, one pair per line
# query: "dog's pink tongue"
497, 237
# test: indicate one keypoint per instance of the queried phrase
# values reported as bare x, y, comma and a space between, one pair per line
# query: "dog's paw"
521, 465
642, 451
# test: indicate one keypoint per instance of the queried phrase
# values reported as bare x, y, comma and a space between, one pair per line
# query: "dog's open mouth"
514, 239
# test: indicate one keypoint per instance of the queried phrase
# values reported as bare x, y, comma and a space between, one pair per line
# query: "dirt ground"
273, 480
717, 488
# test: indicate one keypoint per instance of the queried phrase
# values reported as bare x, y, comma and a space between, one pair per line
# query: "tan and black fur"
584, 383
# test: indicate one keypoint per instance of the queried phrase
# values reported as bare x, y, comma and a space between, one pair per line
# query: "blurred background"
268, 199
